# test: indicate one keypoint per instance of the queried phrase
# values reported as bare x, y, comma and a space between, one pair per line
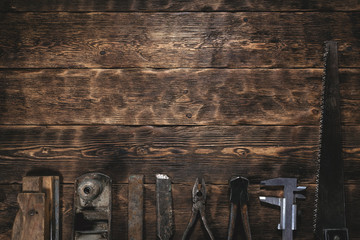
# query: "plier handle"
238, 203
198, 208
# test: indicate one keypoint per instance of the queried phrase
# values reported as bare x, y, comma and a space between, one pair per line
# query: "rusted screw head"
90, 189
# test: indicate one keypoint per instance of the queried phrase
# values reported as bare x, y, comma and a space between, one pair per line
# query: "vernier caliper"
288, 209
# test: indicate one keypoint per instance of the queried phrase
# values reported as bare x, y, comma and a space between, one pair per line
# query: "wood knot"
315, 111
142, 150
242, 152
45, 150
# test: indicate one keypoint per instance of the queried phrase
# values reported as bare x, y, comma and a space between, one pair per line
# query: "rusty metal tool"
38, 216
288, 208
238, 202
92, 207
329, 219
164, 210
198, 209
136, 207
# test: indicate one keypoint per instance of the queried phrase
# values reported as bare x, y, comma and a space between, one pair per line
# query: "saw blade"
329, 218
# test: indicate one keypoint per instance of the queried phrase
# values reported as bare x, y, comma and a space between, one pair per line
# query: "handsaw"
330, 221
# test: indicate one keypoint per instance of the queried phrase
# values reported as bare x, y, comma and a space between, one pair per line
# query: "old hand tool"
198, 208
38, 217
164, 210
92, 207
238, 201
329, 219
136, 207
288, 209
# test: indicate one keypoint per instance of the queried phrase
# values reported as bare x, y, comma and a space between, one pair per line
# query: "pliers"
198, 208
238, 203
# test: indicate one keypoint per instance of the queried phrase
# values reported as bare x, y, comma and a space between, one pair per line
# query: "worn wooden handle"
29, 223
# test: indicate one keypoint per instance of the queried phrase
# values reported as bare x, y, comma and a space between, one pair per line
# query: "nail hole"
32, 212
199, 194
102, 52
188, 115
245, 19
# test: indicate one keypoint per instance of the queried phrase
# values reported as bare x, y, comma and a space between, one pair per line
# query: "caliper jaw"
288, 208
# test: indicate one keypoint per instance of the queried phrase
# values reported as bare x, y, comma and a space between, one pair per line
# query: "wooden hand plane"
38, 216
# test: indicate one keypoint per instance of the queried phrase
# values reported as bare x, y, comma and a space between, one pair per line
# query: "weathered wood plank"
179, 5
169, 40
171, 97
182, 136
182, 152
184, 166
263, 220
161, 97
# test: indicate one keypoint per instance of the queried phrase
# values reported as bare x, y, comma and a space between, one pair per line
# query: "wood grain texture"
32, 184
179, 5
29, 223
170, 40
163, 97
182, 152
263, 219
171, 97
228, 71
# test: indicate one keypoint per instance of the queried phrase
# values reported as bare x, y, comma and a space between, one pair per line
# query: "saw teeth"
325, 56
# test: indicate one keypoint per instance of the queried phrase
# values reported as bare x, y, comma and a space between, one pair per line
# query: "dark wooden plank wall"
187, 88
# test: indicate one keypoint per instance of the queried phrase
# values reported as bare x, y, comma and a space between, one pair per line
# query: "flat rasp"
164, 209
330, 222
136, 207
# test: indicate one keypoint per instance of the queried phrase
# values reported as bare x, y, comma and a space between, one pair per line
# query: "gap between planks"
175, 68
187, 11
